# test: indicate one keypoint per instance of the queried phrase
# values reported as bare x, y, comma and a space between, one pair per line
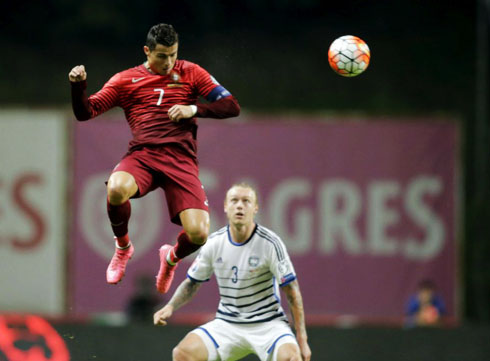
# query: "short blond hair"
244, 185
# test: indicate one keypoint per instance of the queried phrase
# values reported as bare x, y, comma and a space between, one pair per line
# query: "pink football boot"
166, 272
117, 267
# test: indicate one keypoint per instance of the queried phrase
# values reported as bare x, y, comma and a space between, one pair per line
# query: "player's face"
425, 296
161, 60
241, 206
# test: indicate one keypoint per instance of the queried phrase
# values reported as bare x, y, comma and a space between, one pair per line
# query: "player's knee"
177, 354
180, 354
117, 194
289, 357
196, 225
120, 187
288, 352
197, 235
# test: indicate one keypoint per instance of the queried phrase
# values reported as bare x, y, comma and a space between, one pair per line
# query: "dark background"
428, 59
358, 344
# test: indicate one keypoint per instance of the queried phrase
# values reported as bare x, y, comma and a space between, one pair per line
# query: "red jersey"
146, 98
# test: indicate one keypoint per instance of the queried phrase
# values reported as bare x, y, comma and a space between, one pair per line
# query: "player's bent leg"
120, 187
194, 235
288, 352
196, 224
191, 348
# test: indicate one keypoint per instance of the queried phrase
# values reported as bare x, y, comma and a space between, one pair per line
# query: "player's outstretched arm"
79, 100
183, 294
77, 74
85, 107
295, 302
226, 107
223, 108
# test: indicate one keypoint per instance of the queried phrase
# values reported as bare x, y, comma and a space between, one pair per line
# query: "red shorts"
173, 170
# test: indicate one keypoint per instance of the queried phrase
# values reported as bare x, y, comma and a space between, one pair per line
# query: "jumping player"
249, 262
159, 99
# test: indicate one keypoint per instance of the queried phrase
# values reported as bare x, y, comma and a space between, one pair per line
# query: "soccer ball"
349, 56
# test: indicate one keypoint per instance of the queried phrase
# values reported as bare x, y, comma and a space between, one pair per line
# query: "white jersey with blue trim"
248, 274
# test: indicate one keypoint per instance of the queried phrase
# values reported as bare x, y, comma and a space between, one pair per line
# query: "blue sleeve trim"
211, 337
196, 280
413, 306
287, 279
439, 304
277, 339
217, 93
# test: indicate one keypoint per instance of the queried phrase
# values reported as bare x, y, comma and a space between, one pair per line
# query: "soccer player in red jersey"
159, 99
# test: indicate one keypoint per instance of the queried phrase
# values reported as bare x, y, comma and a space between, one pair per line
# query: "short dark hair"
164, 34
427, 284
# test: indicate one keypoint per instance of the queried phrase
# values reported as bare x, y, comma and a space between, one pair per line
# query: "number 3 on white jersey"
161, 95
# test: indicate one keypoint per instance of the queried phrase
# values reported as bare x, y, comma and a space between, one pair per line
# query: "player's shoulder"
188, 67
214, 240
134, 72
267, 233
272, 241
219, 234
185, 64
138, 70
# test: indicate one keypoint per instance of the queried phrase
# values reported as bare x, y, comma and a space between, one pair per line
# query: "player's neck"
147, 66
242, 232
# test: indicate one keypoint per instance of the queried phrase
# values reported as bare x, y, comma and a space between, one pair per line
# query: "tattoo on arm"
184, 293
295, 302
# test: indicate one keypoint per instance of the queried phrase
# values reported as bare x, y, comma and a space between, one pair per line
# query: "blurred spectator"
143, 303
425, 308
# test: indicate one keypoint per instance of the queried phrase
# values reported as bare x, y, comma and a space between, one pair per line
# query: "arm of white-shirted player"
295, 302
183, 294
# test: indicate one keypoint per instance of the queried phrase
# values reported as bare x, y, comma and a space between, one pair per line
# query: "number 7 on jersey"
161, 95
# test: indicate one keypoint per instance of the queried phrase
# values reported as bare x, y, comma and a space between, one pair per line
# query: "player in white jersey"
250, 263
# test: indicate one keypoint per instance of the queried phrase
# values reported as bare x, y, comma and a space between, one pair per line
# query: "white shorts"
228, 341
